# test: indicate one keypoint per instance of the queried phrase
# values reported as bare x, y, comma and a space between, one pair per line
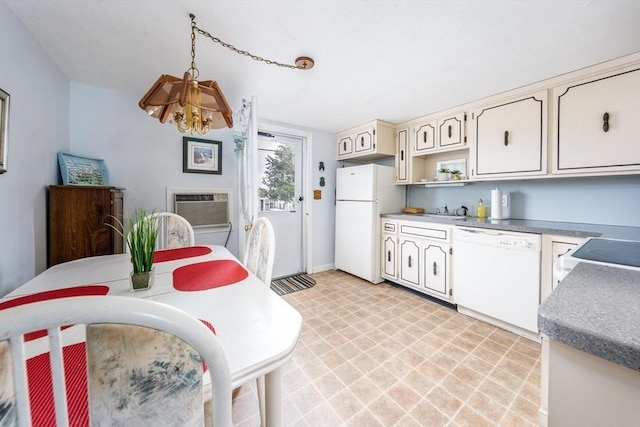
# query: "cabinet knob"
344, 145
449, 131
506, 138
389, 256
402, 155
605, 124
424, 136
435, 269
362, 141
409, 261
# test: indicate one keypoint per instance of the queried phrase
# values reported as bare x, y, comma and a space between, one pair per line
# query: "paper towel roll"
496, 204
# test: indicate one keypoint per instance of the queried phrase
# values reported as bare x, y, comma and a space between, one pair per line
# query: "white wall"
594, 200
145, 157
38, 129
141, 154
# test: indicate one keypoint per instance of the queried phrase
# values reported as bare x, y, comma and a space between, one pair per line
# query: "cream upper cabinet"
596, 123
441, 134
370, 141
452, 131
510, 138
403, 164
424, 137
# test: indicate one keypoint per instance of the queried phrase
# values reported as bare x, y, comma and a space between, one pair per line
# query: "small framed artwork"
4, 129
202, 156
76, 170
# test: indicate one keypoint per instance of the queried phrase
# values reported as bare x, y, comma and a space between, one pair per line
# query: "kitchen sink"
448, 216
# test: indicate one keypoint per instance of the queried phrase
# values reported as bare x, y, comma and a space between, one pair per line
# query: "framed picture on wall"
202, 156
4, 129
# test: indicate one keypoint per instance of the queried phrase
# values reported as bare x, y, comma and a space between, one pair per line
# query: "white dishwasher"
497, 277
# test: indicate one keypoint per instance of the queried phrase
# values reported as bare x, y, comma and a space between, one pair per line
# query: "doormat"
297, 282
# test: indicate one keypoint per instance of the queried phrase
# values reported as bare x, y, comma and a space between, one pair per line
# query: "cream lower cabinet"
553, 247
596, 123
424, 258
509, 138
389, 248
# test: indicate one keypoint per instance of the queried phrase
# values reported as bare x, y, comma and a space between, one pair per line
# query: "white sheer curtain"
245, 136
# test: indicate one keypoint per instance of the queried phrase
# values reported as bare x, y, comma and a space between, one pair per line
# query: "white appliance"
608, 252
497, 277
362, 194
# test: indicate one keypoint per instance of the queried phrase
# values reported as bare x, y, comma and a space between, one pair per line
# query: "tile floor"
379, 355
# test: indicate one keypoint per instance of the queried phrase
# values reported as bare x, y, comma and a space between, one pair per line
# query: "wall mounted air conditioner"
203, 210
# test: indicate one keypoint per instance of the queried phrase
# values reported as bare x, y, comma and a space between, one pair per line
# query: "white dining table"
257, 328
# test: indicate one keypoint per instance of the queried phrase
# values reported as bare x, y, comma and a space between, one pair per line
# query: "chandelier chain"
194, 70
230, 47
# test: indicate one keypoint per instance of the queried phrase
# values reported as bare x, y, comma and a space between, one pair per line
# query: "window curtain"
245, 136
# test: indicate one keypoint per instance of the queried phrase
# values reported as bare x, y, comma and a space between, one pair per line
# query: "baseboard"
321, 268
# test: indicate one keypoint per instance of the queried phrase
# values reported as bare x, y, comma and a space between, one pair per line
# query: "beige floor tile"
380, 356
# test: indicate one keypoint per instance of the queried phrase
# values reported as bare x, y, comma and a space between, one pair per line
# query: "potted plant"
141, 241
443, 174
456, 174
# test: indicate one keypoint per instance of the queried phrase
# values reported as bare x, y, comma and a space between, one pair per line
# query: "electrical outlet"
505, 200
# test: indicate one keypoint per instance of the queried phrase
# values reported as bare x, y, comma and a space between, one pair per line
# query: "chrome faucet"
462, 208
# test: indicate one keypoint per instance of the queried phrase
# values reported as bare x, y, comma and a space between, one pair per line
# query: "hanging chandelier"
198, 106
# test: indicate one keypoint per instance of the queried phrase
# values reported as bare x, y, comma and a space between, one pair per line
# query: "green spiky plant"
141, 239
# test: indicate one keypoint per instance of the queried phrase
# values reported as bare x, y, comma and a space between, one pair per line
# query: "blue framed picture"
76, 170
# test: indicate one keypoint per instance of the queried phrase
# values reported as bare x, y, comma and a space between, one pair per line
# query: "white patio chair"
259, 256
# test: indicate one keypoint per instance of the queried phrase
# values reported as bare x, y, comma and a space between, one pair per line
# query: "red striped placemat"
180, 253
208, 275
53, 294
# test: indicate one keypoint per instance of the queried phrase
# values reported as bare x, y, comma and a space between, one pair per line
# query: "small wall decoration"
4, 129
202, 156
76, 170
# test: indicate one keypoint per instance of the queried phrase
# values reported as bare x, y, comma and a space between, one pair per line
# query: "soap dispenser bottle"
481, 210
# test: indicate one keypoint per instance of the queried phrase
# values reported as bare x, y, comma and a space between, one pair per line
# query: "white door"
280, 198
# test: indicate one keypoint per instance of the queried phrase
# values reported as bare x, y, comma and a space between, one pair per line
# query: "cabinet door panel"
597, 123
424, 137
345, 146
364, 141
402, 161
510, 138
436, 267
389, 256
410, 262
451, 131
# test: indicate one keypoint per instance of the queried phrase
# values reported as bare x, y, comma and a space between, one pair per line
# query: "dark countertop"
596, 309
573, 229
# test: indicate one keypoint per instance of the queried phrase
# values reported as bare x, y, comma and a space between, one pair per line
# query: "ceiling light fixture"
199, 106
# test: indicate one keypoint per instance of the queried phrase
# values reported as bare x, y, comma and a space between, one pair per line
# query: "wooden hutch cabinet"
77, 217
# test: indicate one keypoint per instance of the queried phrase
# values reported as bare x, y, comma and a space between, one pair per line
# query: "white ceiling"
390, 60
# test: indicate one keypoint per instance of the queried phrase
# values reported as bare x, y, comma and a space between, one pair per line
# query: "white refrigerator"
362, 194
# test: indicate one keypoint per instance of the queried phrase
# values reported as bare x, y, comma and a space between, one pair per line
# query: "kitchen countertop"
572, 229
596, 309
